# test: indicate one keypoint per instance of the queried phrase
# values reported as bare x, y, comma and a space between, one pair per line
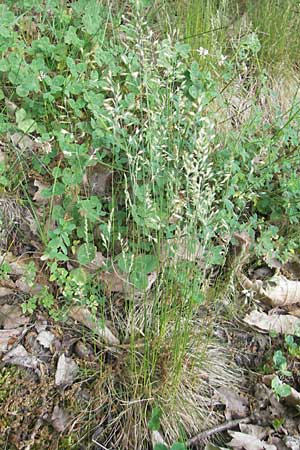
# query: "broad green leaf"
154, 422
178, 446
160, 447
281, 389
139, 279
24, 124
145, 263
78, 276
92, 19
86, 253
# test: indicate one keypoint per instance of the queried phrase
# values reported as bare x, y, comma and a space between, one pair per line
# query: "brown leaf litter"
278, 291
282, 324
86, 318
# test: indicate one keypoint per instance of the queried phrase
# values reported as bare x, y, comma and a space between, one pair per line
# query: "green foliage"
175, 446
5, 270
154, 422
280, 363
216, 25
280, 389
292, 346
43, 299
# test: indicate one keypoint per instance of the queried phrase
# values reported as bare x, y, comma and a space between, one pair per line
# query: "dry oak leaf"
60, 419
278, 291
86, 318
282, 324
243, 441
236, 405
8, 338
96, 263
5, 291
114, 281
11, 317
38, 197
66, 371
19, 356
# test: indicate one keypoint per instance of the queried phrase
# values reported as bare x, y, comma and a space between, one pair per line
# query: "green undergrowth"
223, 25
145, 162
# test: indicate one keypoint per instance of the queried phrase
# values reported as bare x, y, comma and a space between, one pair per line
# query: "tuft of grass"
216, 25
156, 376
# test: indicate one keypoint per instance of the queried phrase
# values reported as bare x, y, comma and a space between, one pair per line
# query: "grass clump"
222, 25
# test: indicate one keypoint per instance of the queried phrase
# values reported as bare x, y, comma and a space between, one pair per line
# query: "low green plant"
292, 346
280, 389
154, 425
43, 299
5, 270
175, 446
281, 364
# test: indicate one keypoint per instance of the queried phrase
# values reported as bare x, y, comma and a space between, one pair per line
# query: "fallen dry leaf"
293, 399
86, 318
10, 107
279, 444
292, 269
97, 262
38, 197
255, 430
45, 147
236, 405
5, 291
66, 371
45, 338
8, 338
11, 317
292, 442
114, 281
22, 141
243, 241
23, 286
278, 291
59, 419
19, 356
243, 441
17, 265
84, 351
282, 324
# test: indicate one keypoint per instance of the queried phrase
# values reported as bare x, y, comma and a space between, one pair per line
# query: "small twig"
218, 429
